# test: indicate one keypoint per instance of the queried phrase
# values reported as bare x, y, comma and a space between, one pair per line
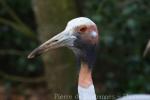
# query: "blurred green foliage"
124, 30
16, 19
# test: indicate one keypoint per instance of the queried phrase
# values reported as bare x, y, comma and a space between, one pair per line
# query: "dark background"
124, 28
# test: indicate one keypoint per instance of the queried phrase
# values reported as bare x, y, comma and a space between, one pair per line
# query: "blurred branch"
11, 12
17, 78
18, 24
146, 51
22, 79
7, 22
12, 52
25, 30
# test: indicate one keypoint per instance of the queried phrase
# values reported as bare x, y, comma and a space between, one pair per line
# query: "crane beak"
147, 49
63, 39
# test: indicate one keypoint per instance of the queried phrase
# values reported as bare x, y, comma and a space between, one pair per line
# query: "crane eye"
83, 29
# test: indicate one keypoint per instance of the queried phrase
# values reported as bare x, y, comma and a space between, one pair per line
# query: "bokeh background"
124, 28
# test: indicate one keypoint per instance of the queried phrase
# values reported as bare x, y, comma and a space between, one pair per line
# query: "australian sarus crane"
81, 36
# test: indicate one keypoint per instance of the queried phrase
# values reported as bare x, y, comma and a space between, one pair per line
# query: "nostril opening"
51, 42
54, 40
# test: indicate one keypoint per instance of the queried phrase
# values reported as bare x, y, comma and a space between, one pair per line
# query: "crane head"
80, 35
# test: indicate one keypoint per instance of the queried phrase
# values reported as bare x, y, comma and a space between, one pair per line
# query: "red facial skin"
85, 33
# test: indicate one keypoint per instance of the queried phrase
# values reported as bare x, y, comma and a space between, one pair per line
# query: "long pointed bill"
147, 49
60, 40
